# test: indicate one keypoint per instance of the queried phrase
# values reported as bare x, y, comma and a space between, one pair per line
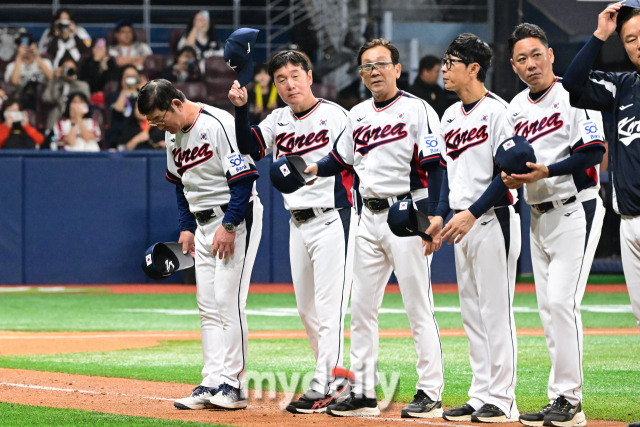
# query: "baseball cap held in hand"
238, 53
513, 154
161, 260
405, 220
287, 173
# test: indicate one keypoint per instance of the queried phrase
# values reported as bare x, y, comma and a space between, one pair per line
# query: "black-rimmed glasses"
158, 122
448, 62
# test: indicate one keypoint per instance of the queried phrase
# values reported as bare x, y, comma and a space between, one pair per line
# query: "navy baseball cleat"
197, 398
461, 413
227, 397
564, 414
489, 413
422, 407
355, 406
535, 419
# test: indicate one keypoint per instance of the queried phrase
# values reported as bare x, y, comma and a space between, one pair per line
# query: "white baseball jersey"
555, 129
471, 139
205, 159
311, 136
387, 145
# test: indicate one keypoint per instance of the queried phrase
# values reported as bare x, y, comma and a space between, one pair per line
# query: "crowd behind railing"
70, 92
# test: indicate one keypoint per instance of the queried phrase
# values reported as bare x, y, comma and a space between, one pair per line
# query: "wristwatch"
229, 227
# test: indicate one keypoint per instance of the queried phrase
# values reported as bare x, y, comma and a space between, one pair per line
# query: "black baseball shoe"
355, 406
312, 402
535, 419
636, 424
564, 414
461, 413
489, 413
422, 407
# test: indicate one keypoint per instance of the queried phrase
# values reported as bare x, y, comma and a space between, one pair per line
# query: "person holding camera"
77, 130
127, 49
97, 70
64, 82
64, 36
185, 67
16, 132
201, 36
28, 70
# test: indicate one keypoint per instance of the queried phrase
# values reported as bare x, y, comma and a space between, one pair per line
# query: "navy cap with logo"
405, 220
161, 260
513, 154
238, 53
287, 173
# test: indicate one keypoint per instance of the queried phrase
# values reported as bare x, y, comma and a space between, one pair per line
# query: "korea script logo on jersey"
458, 142
290, 143
628, 130
191, 157
539, 128
367, 139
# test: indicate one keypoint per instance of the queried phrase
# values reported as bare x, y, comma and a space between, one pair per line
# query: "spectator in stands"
3, 97
127, 50
8, 45
426, 85
64, 82
97, 70
123, 102
62, 37
27, 71
263, 97
185, 68
134, 133
201, 35
77, 130
15, 131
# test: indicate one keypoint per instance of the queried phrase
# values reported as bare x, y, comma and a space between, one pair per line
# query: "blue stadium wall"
88, 218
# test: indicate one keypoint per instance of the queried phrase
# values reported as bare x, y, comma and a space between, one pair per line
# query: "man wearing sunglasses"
215, 188
392, 141
485, 228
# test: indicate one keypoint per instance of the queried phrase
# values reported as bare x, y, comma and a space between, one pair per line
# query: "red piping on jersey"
429, 158
309, 113
545, 94
194, 122
242, 174
374, 104
262, 144
347, 183
475, 106
172, 179
589, 144
340, 161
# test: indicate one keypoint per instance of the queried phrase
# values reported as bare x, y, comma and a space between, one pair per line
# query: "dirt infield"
153, 399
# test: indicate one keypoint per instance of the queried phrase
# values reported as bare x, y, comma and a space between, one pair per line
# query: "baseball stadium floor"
120, 354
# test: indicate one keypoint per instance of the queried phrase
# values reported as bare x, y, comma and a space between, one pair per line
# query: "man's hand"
458, 226
223, 243
607, 21
434, 231
186, 238
538, 172
312, 168
237, 94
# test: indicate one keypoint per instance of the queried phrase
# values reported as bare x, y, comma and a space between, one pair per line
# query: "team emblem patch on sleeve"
236, 164
285, 170
508, 144
590, 132
429, 145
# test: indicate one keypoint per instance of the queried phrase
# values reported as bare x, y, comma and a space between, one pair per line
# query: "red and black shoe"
311, 402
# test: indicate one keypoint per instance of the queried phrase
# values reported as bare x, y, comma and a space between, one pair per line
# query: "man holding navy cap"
566, 214
322, 224
217, 200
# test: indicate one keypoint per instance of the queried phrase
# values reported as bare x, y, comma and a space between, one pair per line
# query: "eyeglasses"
158, 122
367, 68
448, 62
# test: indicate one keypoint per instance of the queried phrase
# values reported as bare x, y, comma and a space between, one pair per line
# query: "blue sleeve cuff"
443, 203
186, 220
237, 207
494, 192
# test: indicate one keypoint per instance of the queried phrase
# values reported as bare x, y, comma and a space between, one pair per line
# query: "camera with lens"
68, 72
63, 25
132, 81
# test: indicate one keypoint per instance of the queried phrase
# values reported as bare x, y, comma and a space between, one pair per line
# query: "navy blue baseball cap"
161, 260
287, 173
405, 220
623, 14
513, 154
238, 53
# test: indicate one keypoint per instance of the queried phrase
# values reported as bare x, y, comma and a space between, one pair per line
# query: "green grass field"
611, 363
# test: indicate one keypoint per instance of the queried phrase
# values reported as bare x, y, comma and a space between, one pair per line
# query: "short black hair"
72, 95
525, 31
395, 55
158, 94
290, 56
472, 49
624, 14
428, 62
